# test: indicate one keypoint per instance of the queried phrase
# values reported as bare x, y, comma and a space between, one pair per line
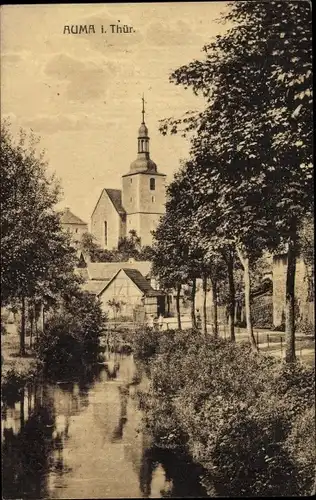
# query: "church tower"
144, 192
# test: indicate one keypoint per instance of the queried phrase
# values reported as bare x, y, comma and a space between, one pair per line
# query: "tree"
36, 255
71, 338
168, 263
96, 253
128, 247
257, 82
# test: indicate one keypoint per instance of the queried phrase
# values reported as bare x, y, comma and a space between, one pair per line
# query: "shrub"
301, 446
145, 343
233, 411
305, 327
262, 315
71, 338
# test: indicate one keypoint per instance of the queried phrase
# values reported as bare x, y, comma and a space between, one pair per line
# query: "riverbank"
226, 405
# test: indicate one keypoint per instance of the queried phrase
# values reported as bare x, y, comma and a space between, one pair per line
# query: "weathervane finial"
143, 110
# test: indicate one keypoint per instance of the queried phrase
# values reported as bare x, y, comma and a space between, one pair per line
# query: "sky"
81, 93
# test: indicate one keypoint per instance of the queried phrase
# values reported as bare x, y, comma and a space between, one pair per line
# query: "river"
84, 439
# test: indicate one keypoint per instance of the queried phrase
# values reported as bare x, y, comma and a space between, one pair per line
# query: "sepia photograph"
157, 250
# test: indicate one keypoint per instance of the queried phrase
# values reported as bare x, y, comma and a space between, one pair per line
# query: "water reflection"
83, 439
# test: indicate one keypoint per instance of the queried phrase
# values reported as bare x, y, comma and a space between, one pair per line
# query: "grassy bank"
247, 419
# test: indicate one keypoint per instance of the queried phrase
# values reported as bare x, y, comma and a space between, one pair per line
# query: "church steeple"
143, 163
143, 139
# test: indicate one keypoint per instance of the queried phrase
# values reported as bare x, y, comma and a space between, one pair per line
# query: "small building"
124, 289
74, 225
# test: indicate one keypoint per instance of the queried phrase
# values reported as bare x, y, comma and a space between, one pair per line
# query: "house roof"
106, 270
68, 217
101, 274
115, 196
93, 286
82, 272
141, 282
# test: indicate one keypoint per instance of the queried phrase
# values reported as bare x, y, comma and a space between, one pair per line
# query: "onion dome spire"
143, 161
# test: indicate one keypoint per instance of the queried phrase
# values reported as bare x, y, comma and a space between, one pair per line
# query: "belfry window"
152, 184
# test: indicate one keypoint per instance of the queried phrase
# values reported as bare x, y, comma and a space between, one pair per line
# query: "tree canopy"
251, 146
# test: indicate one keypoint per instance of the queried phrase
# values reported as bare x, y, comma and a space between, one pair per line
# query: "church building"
138, 206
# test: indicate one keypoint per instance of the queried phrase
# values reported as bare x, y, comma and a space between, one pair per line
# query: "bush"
262, 315
305, 327
71, 338
301, 445
233, 411
145, 343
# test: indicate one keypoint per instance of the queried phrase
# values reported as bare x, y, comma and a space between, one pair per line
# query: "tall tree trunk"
43, 317
231, 292
290, 300
238, 312
193, 293
35, 321
22, 333
178, 305
214, 308
244, 259
168, 304
31, 326
204, 315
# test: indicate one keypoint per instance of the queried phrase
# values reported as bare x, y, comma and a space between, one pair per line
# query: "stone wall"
305, 302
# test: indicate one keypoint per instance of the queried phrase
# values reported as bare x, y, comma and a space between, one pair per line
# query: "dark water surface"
84, 440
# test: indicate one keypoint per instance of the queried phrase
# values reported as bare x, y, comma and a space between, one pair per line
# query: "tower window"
105, 233
131, 199
152, 184
152, 199
131, 181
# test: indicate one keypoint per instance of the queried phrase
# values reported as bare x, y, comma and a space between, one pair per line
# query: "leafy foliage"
71, 338
36, 256
235, 412
251, 146
128, 247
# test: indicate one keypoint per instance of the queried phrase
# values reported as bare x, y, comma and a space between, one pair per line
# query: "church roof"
143, 164
68, 217
115, 196
143, 131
